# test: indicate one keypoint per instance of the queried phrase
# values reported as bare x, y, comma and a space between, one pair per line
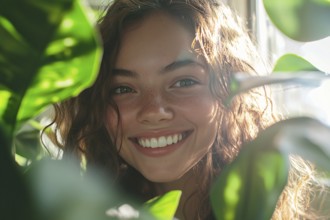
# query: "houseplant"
44, 59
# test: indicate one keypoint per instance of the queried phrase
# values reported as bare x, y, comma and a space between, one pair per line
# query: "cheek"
205, 118
202, 110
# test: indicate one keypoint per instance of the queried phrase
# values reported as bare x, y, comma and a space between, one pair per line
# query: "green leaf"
50, 51
70, 64
250, 186
301, 20
165, 206
25, 31
293, 63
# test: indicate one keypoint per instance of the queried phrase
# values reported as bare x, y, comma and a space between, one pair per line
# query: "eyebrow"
171, 67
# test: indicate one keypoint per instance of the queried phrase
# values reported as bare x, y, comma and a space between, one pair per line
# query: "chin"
162, 177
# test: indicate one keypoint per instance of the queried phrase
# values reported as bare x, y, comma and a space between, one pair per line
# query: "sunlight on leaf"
231, 194
21, 50
250, 186
165, 206
232, 190
293, 63
71, 64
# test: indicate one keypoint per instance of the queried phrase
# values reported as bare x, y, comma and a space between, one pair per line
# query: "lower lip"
160, 151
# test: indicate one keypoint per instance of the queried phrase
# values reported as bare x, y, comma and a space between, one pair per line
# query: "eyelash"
187, 83
119, 90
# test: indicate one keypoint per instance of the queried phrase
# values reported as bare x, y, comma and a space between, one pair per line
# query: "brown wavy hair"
227, 49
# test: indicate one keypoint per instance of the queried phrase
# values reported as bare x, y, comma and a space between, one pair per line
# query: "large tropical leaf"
25, 32
301, 20
250, 186
49, 52
70, 64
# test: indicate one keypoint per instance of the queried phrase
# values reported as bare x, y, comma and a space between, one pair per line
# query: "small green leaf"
301, 20
165, 206
293, 63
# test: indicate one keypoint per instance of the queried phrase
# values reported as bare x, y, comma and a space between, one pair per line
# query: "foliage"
250, 187
50, 51
164, 207
301, 20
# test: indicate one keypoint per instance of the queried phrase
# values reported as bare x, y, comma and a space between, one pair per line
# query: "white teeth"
153, 142
148, 143
169, 140
161, 141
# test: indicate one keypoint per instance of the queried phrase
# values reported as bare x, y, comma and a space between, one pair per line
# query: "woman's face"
161, 87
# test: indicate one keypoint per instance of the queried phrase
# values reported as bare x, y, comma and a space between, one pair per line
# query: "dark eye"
185, 83
122, 90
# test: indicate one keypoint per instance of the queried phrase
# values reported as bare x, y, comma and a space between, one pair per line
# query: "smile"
162, 141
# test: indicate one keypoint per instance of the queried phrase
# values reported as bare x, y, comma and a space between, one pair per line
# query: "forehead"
158, 38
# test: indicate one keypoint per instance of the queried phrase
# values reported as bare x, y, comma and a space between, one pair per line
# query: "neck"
190, 198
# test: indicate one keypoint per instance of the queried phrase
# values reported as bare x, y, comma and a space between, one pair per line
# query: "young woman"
156, 117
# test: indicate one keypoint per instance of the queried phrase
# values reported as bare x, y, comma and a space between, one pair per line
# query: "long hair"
220, 38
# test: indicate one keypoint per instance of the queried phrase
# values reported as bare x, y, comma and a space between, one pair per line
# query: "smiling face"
161, 88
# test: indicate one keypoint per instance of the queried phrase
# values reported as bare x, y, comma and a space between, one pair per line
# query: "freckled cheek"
202, 107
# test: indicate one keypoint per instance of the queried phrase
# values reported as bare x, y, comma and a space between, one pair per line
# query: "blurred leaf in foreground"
301, 20
250, 186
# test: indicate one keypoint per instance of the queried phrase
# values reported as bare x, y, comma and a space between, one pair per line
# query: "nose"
154, 109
